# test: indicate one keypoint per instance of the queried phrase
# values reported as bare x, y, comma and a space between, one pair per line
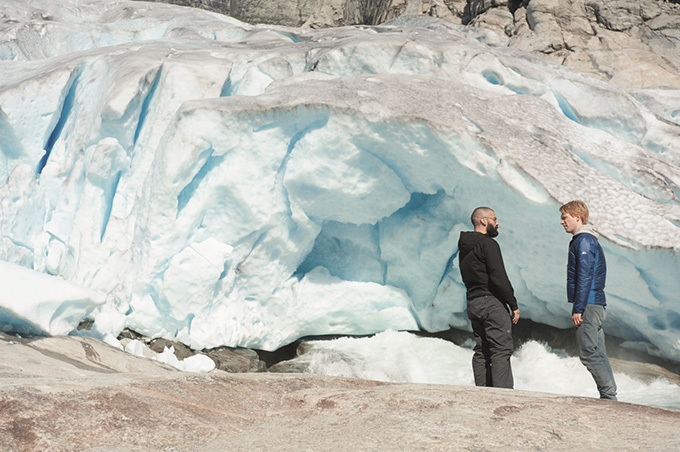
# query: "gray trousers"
592, 351
492, 328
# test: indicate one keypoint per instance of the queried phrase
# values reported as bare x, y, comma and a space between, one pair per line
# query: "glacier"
196, 178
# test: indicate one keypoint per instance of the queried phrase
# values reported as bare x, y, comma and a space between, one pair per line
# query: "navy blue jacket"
586, 271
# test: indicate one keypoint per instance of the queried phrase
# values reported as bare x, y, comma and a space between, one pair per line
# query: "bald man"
491, 304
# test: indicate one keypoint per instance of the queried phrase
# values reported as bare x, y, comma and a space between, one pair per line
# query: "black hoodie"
482, 269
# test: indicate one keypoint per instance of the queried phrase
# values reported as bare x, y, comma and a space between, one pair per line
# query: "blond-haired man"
586, 275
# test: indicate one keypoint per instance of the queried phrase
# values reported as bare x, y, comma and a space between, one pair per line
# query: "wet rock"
236, 359
181, 351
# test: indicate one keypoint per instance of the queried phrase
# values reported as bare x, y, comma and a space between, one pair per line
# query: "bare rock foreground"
79, 394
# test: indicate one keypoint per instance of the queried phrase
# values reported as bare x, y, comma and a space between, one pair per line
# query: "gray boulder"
236, 360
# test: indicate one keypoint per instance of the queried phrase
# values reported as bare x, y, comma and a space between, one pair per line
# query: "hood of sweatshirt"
587, 229
467, 242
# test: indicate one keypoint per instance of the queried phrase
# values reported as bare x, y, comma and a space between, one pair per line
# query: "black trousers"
492, 327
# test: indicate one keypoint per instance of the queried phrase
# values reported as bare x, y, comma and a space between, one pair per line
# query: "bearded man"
489, 296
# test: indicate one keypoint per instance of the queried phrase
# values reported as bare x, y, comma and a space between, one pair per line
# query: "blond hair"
576, 208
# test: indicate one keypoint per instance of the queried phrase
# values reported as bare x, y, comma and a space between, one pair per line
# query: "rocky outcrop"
327, 13
69, 393
333, 13
631, 44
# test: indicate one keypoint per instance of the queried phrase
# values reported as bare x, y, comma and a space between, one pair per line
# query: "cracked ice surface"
226, 184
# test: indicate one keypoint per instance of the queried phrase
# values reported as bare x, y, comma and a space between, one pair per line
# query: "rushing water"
403, 357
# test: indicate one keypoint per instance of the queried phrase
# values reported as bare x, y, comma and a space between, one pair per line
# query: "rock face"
634, 44
327, 13
68, 393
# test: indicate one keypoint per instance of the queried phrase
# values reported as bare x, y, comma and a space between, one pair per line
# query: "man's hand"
515, 316
576, 320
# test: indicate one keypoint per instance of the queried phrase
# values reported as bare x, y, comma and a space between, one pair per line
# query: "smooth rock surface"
69, 393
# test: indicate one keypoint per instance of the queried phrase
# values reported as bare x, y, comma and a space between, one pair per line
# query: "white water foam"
404, 357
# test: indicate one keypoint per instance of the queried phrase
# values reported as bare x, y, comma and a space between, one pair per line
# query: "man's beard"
491, 230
